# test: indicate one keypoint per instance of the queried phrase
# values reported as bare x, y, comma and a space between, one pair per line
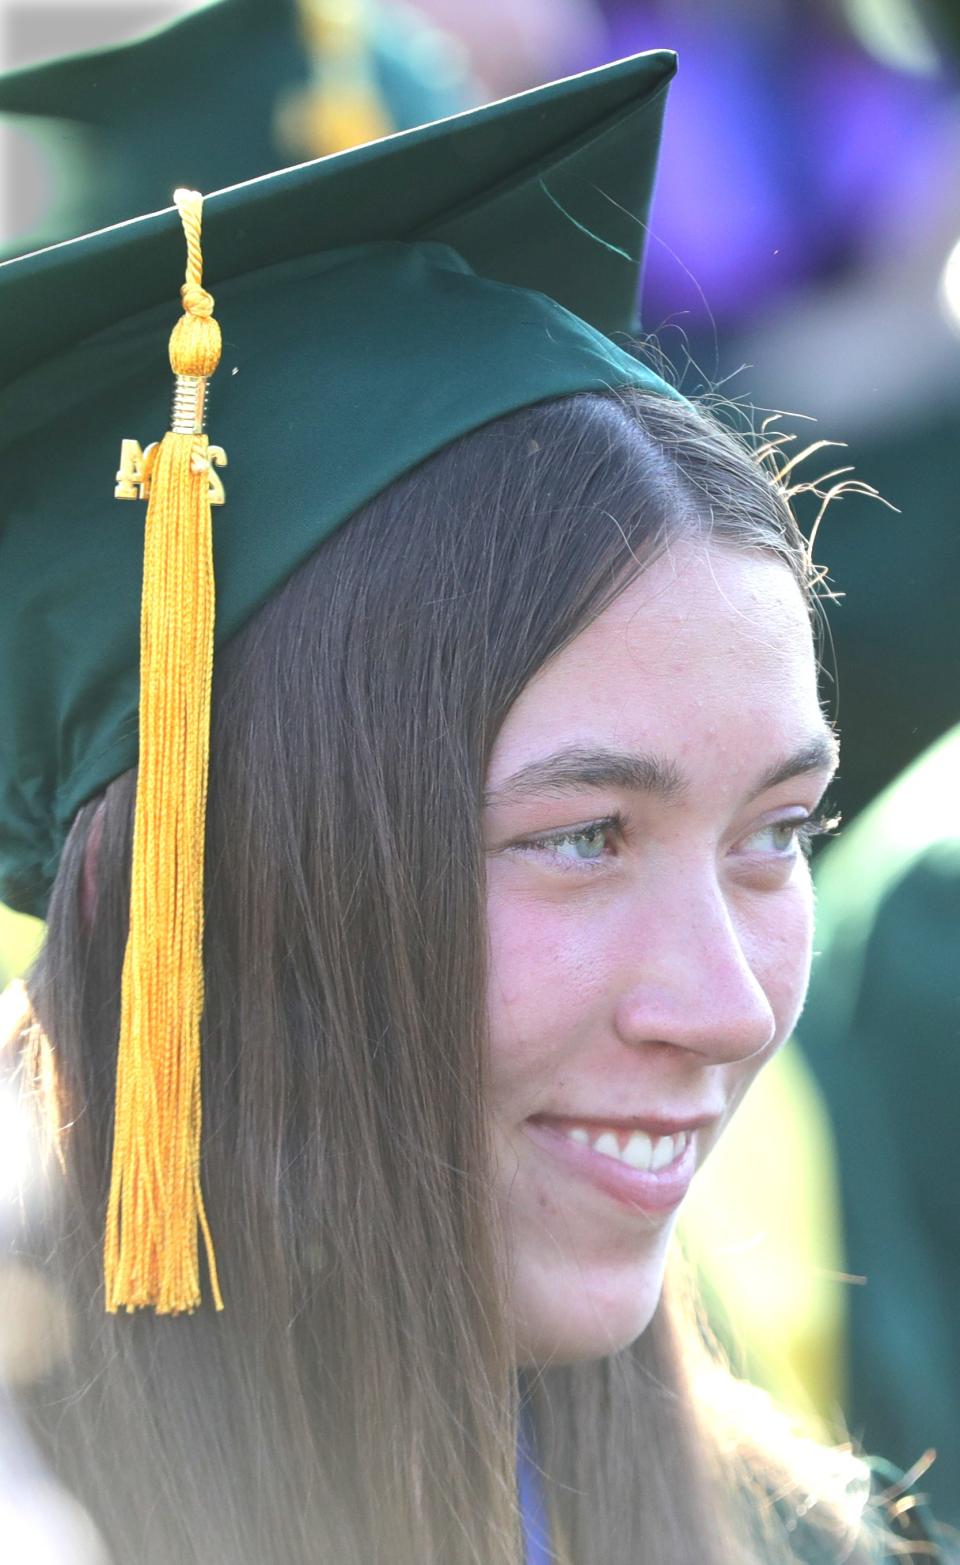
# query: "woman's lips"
647, 1190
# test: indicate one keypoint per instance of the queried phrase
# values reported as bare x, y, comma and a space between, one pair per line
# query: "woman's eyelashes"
593, 845
792, 836
576, 848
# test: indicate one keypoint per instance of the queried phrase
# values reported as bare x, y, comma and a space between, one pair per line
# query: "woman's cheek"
546, 981
515, 950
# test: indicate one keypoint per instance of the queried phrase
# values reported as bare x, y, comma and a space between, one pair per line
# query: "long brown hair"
357, 1402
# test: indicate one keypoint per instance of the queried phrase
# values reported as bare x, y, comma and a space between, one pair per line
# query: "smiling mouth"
638, 1166
649, 1144
634, 1147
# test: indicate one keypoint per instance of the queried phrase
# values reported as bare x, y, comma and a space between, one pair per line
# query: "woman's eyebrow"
819, 753
566, 770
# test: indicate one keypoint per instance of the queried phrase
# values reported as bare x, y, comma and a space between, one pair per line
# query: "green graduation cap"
374, 306
234, 89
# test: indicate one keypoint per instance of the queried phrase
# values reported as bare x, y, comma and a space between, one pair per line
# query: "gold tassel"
155, 1211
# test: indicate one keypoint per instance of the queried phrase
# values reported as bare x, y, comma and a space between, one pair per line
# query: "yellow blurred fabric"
762, 1225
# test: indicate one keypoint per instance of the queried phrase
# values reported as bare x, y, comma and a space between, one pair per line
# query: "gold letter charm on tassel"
155, 1212
216, 457
133, 474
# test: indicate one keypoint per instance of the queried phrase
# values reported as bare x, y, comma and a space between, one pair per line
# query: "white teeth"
663, 1152
638, 1151
642, 1152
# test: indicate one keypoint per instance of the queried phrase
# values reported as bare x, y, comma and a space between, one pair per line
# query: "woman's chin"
584, 1317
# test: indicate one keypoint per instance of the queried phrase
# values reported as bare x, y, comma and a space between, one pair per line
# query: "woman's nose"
691, 984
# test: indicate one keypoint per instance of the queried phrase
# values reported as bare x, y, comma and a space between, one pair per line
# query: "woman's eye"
784, 839
585, 845
782, 836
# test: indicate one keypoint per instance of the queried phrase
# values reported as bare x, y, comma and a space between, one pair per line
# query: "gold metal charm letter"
217, 457
133, 474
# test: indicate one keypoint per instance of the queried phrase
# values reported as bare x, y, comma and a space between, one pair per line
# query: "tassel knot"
196, 299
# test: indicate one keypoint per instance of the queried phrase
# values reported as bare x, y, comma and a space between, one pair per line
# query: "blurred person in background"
514, 46
882, 1030
229, 90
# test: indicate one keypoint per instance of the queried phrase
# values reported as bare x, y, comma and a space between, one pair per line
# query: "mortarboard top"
374, 305
219, 96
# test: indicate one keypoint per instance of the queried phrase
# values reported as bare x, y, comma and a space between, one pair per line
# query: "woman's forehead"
744, 594
709, 647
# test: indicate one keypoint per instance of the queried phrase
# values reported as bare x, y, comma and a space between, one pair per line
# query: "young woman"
506, 904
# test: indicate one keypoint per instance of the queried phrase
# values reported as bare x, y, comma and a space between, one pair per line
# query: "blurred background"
803, 258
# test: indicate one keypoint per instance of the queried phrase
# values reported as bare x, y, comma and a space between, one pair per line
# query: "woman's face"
650, 923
